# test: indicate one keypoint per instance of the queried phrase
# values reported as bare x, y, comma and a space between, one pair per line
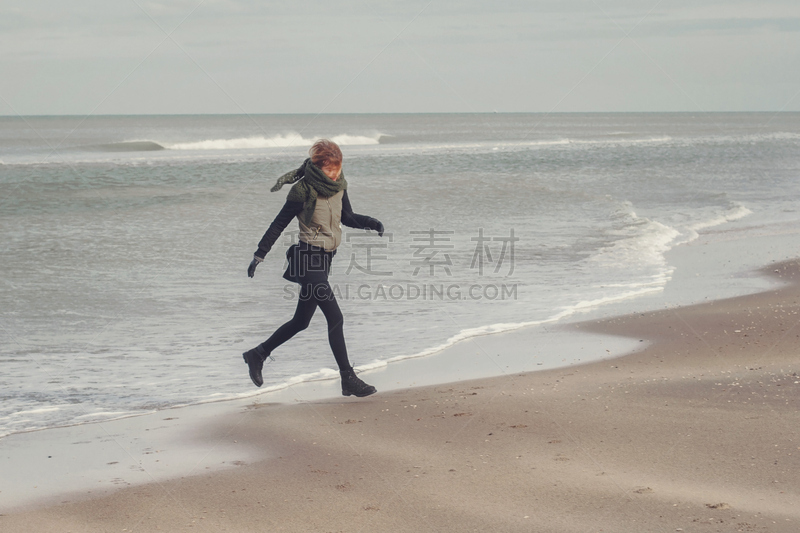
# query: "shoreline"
699, 424
722, 285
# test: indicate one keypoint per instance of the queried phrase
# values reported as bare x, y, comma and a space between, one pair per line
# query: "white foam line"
736, 212
36, 411
277, 141
580, 307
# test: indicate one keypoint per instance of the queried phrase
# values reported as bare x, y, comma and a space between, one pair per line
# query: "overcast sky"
311, 56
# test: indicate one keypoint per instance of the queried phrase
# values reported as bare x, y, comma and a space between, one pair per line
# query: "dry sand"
700, 431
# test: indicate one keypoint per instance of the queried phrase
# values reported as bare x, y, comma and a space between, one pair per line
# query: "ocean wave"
642, 140
129, 146
744, 138
735, 211
288, 140
571, 141
399, 147
643, 241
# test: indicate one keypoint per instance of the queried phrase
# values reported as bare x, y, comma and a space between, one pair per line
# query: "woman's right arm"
287, 213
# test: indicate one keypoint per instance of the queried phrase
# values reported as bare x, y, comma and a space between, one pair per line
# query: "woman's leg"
351, 384
306, 306
319, 295
326, 300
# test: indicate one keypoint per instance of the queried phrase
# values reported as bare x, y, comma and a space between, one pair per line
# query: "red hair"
325, 152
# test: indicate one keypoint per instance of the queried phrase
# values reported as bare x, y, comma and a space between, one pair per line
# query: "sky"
93, 57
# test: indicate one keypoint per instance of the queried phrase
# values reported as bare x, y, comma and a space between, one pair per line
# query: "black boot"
255, 362
352, 385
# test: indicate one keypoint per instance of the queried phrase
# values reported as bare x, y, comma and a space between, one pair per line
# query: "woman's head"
326, 156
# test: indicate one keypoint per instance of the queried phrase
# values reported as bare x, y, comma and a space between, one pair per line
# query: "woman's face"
332, 171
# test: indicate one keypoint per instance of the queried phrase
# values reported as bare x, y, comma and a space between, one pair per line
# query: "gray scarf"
309, 183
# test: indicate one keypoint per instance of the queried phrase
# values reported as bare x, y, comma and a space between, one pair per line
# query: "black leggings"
313, 296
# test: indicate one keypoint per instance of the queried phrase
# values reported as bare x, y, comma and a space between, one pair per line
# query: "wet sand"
699, 431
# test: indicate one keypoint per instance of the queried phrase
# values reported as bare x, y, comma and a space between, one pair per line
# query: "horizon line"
45, 115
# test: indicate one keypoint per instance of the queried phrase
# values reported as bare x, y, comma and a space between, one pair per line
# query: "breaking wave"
130, 146
277, 141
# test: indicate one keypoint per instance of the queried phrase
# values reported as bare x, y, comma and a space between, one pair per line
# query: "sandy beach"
696, 432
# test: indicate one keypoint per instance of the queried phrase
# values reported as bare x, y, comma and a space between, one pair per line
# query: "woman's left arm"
354, 220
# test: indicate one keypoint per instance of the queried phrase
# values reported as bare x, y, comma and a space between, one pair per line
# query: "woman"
319, 201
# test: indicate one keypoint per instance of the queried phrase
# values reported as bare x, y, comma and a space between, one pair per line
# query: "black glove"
251, 270
376, 226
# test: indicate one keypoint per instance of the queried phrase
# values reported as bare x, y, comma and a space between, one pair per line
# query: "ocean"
125, 239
